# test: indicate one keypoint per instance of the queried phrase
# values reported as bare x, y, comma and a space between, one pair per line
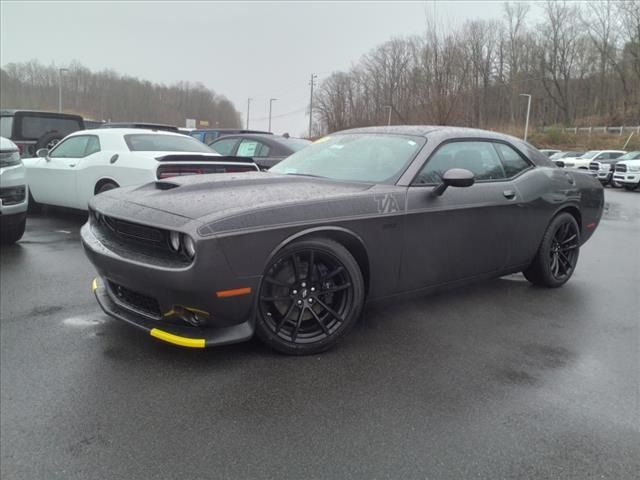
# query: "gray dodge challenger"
292, 254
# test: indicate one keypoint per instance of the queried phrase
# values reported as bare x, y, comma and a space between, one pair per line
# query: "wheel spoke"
283, 320
296, 267
336, 289
564, 242
564, 259
554, 265
332, 274
273, 281
568, 248
294, 334
330, 310
322, 325
311, 267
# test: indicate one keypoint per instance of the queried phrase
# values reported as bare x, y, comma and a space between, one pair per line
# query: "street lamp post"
271, 100
526, 125
248, 110
389, 118
60, 70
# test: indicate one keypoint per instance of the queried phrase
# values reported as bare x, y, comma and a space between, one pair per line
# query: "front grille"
13, 195
137, 242
134, 231
594, 166
134, 301
621, 168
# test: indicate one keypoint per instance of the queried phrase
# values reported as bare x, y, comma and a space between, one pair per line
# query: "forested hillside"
580, 62
107, 95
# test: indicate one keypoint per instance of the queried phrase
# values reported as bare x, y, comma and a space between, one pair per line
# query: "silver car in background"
14, 193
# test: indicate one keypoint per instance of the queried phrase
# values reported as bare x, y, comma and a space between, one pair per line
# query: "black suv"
31, 130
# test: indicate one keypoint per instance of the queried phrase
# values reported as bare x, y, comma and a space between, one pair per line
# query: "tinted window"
34, 127
512, 162
198, 135
150, 142
252, 148
6, 126
374, 158
73, 147
224, 146
478, 157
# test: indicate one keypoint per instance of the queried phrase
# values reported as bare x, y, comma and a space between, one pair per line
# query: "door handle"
509, 194
72, 164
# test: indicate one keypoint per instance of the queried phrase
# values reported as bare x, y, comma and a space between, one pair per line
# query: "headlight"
9, 159
189, 246
174, 241
633, 168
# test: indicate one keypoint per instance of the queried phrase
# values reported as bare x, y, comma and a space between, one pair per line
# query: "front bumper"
182, 335
629, 178
159, 299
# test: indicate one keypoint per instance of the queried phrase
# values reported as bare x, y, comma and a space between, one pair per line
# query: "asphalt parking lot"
496, 380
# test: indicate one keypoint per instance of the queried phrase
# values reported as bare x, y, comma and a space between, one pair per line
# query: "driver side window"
478, 157
73, 147
76, 147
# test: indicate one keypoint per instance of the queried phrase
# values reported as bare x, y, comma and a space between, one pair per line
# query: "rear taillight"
177, 172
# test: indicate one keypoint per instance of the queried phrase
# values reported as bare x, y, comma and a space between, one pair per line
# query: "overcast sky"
239, 49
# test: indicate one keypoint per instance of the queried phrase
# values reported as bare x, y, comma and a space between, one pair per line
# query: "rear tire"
558, 253
11, 235
310, 297
106, 186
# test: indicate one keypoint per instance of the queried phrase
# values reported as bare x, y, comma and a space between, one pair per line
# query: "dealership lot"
496, 380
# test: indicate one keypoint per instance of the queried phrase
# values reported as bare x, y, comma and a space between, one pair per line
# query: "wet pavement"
496, 380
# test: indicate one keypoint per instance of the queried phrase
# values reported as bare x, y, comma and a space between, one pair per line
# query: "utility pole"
248, 110
271, 100
526, 125
389, 119
313, 77
60, 70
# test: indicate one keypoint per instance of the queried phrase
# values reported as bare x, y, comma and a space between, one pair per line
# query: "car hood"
215, 196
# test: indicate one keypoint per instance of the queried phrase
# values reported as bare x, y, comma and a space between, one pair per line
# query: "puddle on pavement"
82, 321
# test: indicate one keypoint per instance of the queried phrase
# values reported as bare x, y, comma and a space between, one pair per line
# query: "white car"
627, 174
603, 169
13, 193
89, 162
592, 156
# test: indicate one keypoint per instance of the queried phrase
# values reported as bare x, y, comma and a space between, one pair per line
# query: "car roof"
124, 131
11, 112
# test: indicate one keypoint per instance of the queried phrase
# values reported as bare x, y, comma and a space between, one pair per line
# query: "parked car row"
616, 168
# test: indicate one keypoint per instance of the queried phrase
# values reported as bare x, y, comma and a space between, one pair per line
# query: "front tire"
11, 235
631, 188
311, 296
558, 253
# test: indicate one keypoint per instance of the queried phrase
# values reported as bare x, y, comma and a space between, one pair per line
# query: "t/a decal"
387, 203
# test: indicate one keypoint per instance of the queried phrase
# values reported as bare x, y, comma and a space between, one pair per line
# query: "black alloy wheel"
558, 253
311, 295
105, 187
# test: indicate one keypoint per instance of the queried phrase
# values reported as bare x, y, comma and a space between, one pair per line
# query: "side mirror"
454, 177
42, 152
560, 163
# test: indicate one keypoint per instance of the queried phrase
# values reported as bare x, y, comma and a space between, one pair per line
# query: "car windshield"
630, 156
590, 154
371, 158
556, 156
153, 142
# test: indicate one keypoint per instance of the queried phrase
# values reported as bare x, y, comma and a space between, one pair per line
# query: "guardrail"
589, 130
